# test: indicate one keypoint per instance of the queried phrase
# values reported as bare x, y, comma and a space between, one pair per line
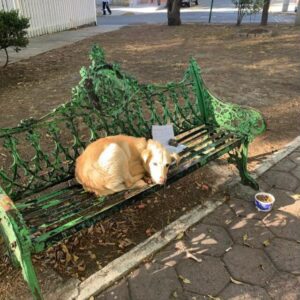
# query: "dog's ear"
146, 154
175, 157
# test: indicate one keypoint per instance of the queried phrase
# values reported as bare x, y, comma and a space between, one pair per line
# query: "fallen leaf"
180, 236
90, 230
64, 248
235, 281
66, 251
190, 255
102, 228
212, 297
93, 256
245, 237
175, 295
149, 232
141, 206
75, 258
266, 243
81, 267
185, 280
205, 187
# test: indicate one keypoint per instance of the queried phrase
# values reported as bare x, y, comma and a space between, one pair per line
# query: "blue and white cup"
264, 206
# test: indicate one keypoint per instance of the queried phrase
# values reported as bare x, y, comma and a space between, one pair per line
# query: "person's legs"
108, 8
103, 8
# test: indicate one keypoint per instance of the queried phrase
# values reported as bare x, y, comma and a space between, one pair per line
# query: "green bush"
13, 31
247, 7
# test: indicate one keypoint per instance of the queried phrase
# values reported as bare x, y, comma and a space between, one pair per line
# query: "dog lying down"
116, 163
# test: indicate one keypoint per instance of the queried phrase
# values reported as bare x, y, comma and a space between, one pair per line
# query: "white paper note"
162, 134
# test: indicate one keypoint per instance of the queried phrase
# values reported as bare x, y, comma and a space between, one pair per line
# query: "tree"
297, 20
265, 13
247, 7
13, 31
174, 12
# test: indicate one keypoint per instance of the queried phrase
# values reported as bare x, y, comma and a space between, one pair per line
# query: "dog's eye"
154, 164
167, 165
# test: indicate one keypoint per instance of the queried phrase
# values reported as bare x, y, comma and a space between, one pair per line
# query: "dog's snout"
162, 180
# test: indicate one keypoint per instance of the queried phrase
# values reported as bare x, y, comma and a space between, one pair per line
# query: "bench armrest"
242, 120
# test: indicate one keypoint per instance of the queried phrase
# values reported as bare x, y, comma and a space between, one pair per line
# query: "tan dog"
117, 163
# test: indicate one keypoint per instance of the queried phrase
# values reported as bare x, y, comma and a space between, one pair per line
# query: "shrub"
13, 31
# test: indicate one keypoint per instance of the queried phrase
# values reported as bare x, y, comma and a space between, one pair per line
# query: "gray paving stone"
207, 239
207, 278
263, 186
249, 265
250, 232
284, 165
281, 180
285, 255
222, 216
243, 192
283, 224
245, 209
284, 287
296, 172
293, 209
282, 198
153, 282
244, 292
295, 157
116, 292
297, 194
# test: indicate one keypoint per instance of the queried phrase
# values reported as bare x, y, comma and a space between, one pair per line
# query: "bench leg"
241, 159
16, 237
30, 277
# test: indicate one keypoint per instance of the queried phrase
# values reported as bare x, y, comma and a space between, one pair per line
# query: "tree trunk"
174, 12
265, 13
6, 54
239, 17
297, 20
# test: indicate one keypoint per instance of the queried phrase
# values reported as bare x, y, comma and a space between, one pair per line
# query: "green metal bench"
40, 202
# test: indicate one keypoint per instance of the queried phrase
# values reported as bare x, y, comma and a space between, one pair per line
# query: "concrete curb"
121, 266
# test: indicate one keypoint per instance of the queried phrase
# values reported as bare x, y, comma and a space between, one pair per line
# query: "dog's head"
157, 161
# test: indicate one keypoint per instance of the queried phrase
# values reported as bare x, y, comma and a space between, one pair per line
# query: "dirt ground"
262, 72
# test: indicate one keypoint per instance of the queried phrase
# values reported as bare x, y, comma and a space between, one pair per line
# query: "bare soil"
262, 72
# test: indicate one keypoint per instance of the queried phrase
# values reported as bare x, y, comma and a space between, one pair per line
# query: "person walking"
105, 6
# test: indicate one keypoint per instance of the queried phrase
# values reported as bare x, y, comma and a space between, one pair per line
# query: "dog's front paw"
148, 180
140, 184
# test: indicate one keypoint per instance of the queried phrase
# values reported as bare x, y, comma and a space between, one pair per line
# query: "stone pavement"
234, 253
